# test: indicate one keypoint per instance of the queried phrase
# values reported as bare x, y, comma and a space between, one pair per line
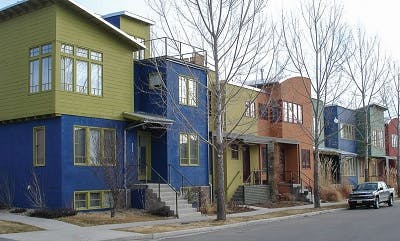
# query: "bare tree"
391, 98
367, 68
316, 42
237, 39
7, 190
34, 192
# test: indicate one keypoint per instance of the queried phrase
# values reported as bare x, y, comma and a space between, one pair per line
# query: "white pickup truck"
371, 194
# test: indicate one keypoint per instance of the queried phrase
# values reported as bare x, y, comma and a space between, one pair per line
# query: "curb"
195, 231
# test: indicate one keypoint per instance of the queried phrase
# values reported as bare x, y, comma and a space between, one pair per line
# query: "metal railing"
182, 177
231, 182
162, 47
306, 182
255, 177
290, 177
161, 180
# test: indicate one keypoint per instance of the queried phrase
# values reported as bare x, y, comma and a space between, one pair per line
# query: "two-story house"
69, 108
391, 144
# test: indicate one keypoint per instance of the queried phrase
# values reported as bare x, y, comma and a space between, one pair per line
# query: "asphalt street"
361, 224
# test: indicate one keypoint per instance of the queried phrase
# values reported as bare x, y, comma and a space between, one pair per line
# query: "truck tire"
390, 201
376, 203
352, 206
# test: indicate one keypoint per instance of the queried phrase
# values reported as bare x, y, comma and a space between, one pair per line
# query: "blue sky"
378, 17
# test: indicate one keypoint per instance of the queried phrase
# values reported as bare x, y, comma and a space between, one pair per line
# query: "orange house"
285, 111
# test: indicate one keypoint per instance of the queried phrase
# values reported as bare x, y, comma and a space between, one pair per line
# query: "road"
344, 225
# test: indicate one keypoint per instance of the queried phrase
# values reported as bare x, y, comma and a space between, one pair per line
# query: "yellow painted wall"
137, 29
117, 68
17, 36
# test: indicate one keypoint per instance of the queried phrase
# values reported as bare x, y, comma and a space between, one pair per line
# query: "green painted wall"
17, 36
235, 108
377, 122
117, 97
137, 29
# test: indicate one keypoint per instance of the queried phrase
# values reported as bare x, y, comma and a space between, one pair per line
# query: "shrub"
18, 210
53, 213
163, 212
330, 194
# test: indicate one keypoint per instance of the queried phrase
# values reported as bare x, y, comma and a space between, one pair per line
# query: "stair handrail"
231, 182
308, 182
181, 174
159, 189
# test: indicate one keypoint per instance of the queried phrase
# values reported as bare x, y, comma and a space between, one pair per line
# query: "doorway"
246, 163
144, 155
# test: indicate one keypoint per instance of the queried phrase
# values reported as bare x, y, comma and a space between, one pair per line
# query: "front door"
144, 155
246, 163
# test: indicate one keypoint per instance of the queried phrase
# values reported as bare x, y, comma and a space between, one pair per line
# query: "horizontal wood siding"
72, 28
256, 194
137, 29
17, 36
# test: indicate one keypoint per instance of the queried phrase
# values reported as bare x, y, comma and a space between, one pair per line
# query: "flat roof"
131, 15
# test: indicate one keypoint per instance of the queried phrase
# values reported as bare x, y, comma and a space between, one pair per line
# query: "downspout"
125, 161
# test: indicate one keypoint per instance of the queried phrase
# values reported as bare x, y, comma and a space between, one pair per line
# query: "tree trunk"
366, 145
317, 196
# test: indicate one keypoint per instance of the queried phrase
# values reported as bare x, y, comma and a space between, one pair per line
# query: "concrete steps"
168, 199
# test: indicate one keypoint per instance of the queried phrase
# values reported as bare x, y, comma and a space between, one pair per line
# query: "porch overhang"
147, 118
337, 152
252, 139
383, 157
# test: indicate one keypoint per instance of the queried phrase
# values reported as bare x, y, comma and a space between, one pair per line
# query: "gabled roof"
130, 15
26, 6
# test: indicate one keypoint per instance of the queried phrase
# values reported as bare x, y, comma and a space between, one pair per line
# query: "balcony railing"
166, 47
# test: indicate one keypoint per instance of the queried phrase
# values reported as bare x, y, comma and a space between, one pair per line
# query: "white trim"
109, 25
131, 15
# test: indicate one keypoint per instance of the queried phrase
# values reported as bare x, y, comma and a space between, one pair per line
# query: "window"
39, 146
250, 109
276, 114
94, 146
155, 81
349, 167
189, 149
394, 140
263, 111
347, 131
95, 199
88, 78
305, 159
140, 53
361, 170
378, 138
235, 151
40, 68
292, 112
187, 91
374, 138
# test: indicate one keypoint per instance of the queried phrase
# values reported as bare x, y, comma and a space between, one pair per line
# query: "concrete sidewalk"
60, 231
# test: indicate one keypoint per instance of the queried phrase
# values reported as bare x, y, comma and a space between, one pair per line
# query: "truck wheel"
376, 204
352, 206
390, 201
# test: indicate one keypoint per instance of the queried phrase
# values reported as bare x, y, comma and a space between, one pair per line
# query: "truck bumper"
356, 202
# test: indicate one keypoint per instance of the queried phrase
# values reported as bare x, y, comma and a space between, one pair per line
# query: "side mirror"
381, 188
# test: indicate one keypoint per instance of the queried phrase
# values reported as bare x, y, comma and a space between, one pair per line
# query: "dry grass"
86, 219
281, 204
14, 227
212, 223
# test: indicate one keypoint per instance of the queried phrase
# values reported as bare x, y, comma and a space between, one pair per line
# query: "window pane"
84, 53
68, 49
96, 56
285, 111
94, 146
108, 201
66, 74
95, 199
80, 200
300, 114
192, 92
80, 145
155, 80
194, 150
46, 49
184, 155
290, 112
109, 146
96, 79
39, 146
82, 77
33, 52
182, 91
46, 73
34, 76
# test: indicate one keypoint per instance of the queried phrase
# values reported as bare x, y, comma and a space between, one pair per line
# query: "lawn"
14, 227
201, 224
86, 219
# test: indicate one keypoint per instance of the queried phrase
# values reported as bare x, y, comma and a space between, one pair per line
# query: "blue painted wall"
59, 178
330, 127
114, 21
16, 160
165, 102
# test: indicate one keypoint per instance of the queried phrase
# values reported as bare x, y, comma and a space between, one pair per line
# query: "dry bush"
287, 197
345, 188
330, 194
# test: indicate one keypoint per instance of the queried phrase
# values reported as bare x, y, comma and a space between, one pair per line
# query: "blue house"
75, 103
339, 155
